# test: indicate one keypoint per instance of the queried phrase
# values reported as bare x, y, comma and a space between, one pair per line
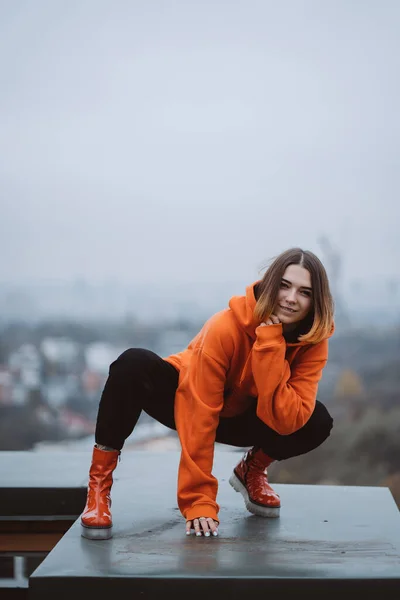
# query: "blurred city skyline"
361, 304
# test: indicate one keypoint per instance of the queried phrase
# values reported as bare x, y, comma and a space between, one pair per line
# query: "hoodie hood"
243, 311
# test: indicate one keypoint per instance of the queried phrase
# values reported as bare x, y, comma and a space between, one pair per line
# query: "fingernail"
215, 533
207, 534
198, 534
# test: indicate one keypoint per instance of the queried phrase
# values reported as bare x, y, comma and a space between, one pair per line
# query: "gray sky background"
191, 141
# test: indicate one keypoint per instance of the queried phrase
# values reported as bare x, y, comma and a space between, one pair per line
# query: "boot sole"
96, 533
256, 509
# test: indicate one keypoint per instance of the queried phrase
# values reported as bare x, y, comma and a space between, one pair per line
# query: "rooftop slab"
40, 484
328, 539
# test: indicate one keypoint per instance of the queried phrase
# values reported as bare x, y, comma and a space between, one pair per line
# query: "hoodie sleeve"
198, 402
286, 395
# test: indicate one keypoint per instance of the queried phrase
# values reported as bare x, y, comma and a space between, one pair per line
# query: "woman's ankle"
106, 448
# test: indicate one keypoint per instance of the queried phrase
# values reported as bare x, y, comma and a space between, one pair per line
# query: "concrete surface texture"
328, 540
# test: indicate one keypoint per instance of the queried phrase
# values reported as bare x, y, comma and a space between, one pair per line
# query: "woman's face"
295, 295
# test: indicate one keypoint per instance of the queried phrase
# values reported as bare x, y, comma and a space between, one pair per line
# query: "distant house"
99, 355
25, 365
62, 352
6, 385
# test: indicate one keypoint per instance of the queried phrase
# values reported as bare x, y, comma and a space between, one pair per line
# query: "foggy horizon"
191, 143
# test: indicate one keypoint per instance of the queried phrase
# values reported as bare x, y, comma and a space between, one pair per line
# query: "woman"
248, 379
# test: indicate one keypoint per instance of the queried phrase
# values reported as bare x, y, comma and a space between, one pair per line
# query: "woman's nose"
291, 296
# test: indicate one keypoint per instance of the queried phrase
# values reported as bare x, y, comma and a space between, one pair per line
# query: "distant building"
99, 355
61, 351
6, 385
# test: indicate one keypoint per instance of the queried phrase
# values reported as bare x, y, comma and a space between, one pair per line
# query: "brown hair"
320, 318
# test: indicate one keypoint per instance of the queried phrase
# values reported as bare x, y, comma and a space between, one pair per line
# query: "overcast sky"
192, 140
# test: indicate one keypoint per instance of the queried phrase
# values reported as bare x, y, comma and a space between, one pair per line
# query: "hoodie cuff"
268, 335
201, 510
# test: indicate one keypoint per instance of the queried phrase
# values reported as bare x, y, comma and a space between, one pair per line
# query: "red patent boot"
96, 521
250, 478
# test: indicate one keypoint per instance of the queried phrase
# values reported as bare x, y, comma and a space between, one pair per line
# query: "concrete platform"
39, 484
41, 495
329, 540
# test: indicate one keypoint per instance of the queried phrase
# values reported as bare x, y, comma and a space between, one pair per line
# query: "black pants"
140, 380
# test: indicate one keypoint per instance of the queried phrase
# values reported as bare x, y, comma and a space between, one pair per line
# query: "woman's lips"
287, 309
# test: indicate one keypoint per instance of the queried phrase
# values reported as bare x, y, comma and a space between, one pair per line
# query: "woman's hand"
273, 320
202, 526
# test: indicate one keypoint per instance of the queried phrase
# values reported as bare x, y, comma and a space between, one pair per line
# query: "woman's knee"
322, 418
132, 360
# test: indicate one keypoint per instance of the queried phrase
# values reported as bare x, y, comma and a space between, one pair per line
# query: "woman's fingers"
267, 322
202, 526
197, 528
274, 319
213, 525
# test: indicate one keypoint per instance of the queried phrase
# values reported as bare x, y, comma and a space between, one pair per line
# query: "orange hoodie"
230, 362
